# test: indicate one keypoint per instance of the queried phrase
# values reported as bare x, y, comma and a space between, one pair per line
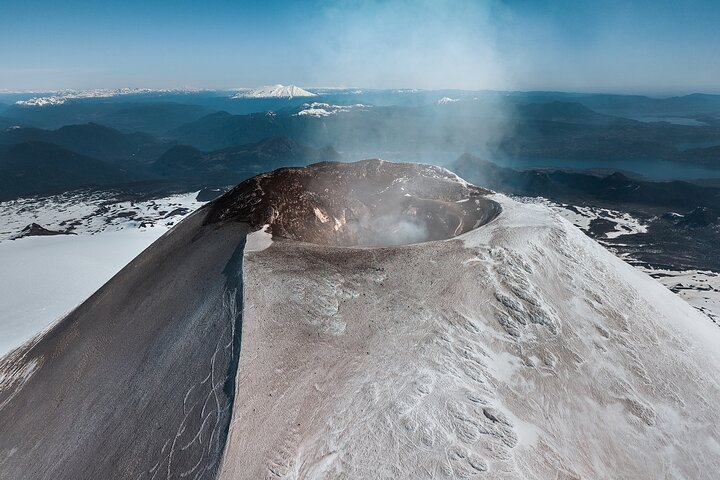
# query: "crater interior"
365, 203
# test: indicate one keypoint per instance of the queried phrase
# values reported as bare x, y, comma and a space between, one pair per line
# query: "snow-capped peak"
274, 91
446, 100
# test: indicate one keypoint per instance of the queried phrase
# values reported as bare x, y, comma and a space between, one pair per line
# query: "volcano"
368, 320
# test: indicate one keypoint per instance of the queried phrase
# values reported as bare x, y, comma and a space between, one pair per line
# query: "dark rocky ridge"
35, 230
367, 203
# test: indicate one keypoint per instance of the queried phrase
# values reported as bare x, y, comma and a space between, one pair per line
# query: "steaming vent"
366, 203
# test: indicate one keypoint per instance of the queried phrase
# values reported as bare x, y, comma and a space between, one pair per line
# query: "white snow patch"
86, 212
44, 278
537, 216
582, 217
258, 240
699, 288
317, 109
447, 100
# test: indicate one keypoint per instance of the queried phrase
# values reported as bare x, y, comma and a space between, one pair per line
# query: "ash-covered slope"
138, 381
511, 346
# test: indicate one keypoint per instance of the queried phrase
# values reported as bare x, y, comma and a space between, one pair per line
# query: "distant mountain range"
59, 98
172, 134
584, 187
553, 130
151, 118
409, 124
179, 141
244, 160
96, 156
34, 168
89, 139
682, 220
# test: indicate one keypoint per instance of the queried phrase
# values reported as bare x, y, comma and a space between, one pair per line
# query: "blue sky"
642, 46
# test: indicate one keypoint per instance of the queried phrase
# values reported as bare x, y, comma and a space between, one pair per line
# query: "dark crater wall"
367, 203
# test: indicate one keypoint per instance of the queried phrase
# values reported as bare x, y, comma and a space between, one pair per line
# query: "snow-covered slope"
45, 277
521, 350
700, 288
274, 91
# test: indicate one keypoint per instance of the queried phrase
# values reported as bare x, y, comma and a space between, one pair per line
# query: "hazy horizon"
646, 92
645, 47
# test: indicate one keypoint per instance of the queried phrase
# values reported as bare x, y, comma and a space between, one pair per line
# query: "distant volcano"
274, 91
368, 320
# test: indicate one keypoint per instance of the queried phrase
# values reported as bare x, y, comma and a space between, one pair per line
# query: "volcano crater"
370, 203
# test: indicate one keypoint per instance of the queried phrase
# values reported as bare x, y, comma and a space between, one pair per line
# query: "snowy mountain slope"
700, 288
523, 350
141, 376
44, 278
517, 349
274, 91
